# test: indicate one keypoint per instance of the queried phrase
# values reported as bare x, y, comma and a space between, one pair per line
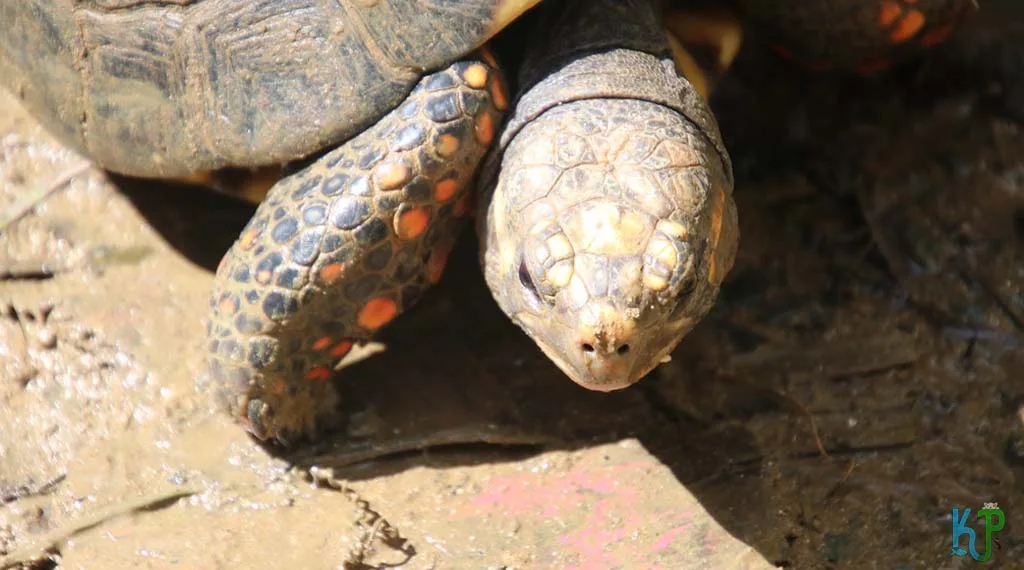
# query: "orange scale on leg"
228, 305
475, 75
318, 374
412, 223
322, 343
436, 265
376, 313
331, 272
888, 13
247, 239
907, 27
341, 349
445, 189
484, 129
498, 95
391, 175
938, 35
447, 145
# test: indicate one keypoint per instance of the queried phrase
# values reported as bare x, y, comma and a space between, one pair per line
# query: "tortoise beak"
592, 358
593, 369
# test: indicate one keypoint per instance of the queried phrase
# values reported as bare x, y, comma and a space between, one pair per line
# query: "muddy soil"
860, 377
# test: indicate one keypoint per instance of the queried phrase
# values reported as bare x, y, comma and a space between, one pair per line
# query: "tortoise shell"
173, 87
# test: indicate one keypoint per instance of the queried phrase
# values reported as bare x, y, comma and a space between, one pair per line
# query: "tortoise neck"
599, 49
569, 29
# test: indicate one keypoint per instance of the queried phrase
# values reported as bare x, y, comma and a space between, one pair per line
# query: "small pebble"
47, 338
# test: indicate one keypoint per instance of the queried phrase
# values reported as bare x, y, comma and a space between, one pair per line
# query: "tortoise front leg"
337, 250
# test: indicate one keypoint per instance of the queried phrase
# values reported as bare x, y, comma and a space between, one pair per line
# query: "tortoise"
604, 201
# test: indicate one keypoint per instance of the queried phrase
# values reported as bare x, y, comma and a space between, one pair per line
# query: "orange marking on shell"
322, 343
437, 263
341, 349
475, 75
447, 145
263, 277
227, 306
391, 175
907, 27
445, 189
223, 262
278, 387
484, 129
888, 13
377, 313
938, 35
412, 223
330, 272
318, 374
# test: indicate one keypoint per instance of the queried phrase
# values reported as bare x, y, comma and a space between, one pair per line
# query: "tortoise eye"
688, 286
527, 281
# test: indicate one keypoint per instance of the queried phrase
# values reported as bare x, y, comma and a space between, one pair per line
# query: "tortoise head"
607, 236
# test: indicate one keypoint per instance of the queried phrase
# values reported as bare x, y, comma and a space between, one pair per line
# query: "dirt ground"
860, 377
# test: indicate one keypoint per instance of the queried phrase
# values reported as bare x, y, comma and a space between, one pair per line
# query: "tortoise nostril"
591, 350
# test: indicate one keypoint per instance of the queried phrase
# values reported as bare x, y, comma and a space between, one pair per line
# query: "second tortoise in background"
860, 35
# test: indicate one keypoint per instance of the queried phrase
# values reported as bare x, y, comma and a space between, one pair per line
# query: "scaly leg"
337, 250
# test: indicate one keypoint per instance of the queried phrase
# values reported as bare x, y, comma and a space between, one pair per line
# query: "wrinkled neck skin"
607, 219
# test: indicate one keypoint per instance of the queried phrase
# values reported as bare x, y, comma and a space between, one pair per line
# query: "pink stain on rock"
670, 536
614, 514
591, 545
521, 494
